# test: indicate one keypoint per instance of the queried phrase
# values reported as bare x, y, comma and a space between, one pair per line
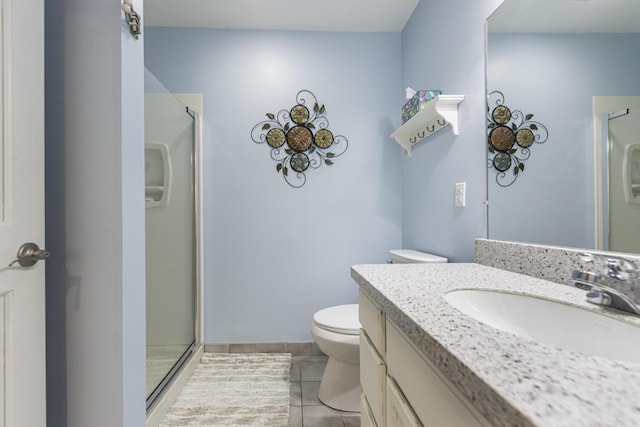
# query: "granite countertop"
513, 381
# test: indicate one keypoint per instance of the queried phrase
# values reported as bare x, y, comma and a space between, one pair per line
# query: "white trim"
9, 366
2, 109
6, 178
199, 231
598, 175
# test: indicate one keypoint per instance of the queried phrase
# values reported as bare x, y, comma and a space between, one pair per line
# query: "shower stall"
618, 157
172, 195
624, 181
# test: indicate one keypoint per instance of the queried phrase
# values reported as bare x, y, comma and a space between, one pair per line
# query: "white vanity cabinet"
401, 387
373, 371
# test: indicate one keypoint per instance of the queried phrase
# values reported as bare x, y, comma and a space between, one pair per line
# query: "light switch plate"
460, 190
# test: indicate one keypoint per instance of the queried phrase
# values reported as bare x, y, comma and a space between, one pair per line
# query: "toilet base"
340, 386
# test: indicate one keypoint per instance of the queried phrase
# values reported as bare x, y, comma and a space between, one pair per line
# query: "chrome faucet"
612, 272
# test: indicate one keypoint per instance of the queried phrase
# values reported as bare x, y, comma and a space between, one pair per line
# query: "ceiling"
529, 16
566, 16
309, 15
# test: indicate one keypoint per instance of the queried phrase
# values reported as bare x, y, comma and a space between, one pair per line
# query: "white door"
22, 300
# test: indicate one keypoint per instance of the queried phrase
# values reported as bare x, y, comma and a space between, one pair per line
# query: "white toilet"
336, 331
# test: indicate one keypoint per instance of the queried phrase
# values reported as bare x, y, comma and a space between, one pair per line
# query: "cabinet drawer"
373, 375
399, 412
372, 321
434, 399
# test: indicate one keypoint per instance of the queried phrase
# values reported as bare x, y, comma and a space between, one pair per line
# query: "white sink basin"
551, 322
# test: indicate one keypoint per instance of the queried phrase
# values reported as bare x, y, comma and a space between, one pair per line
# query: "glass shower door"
624, 181
170, 235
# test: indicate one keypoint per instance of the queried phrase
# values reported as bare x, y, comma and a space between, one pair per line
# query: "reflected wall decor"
299, 138
510, 136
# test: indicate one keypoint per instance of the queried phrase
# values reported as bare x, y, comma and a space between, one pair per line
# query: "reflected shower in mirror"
623, 130
554, 59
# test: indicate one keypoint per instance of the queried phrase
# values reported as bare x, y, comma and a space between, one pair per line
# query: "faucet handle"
598, 297
613, 266
587, 257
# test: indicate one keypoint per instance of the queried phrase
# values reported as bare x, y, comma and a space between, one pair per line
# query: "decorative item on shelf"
417, 100
300, 139
510, 136
435, 115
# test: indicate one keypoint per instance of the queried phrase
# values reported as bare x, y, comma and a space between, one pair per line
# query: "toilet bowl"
336, 331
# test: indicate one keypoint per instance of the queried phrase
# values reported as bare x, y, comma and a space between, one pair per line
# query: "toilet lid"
342, 319
415, 257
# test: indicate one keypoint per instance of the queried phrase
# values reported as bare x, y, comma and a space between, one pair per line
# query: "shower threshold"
157, 392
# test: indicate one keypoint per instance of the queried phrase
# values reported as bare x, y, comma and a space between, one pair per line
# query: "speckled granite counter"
512, 381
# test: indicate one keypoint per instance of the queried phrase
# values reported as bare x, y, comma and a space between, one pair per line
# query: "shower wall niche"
157, 175
171, 201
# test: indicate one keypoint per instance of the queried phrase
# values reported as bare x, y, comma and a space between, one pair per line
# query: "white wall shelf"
440, 112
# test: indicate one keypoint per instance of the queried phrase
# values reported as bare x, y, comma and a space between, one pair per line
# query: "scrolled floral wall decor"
299, 139
510, 136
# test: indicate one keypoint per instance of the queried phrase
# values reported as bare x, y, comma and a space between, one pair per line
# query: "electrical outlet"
460, 190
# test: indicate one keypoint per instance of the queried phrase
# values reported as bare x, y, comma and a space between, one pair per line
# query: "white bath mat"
235, 389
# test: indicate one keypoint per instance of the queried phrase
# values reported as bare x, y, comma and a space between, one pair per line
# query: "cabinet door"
366, 417
399, 412
373, 374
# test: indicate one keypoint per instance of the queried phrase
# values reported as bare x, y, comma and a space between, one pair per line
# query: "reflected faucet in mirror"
603, 285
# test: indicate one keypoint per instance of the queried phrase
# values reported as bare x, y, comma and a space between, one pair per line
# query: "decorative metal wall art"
299, 139
511, 134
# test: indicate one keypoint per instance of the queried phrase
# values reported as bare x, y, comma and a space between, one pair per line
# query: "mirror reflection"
569, 64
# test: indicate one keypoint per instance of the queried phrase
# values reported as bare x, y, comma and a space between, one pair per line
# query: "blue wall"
274, 254
555, 77
443, 48
94, 174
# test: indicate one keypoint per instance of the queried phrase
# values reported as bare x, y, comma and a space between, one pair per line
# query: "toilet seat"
341, 319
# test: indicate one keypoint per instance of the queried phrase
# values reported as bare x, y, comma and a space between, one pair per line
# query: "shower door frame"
603, 107
184, 368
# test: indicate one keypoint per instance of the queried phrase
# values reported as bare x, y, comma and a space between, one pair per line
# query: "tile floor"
306, 410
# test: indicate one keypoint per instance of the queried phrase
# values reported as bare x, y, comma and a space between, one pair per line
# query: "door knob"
29, 254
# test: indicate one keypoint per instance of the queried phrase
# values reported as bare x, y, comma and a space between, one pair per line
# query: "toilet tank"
409, 256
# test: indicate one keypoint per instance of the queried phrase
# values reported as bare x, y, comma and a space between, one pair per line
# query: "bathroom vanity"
424, 362
396, 377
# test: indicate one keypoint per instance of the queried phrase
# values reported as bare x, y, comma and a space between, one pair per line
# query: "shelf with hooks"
437, 114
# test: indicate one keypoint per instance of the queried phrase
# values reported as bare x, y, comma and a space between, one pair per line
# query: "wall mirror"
570, 63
